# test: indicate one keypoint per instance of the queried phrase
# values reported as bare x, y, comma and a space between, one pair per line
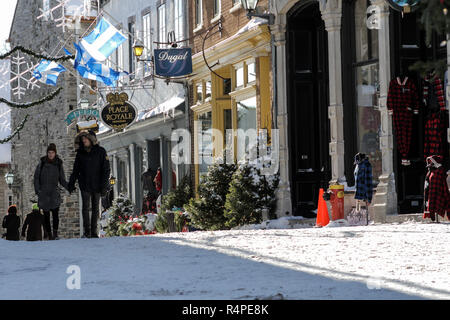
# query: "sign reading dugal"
173, 62
119, 113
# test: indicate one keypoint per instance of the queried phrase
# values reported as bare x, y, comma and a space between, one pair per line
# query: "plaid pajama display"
439, 89
402, 102
435, 134
363, 181
436, 193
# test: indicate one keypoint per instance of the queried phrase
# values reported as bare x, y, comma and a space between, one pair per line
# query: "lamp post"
112, 181
251, 5
9, 178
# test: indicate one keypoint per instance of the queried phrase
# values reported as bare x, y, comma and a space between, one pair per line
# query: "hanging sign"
173, 62
402, 5
119, 113
82, 115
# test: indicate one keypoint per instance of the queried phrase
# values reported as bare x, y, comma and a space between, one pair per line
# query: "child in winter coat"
11, 223
34, 222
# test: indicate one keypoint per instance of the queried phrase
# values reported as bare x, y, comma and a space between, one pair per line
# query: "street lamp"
251, 5
84, 103
112, 180
9, 178
138, 48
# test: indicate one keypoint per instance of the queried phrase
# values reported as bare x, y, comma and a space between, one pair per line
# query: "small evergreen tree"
122, 209
207, 212
174, 199
250, 193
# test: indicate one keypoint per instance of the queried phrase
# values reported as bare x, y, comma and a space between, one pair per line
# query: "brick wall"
231, 22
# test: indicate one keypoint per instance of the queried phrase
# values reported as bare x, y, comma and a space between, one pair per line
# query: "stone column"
115, 170
284, 201
332, 14
132, 162
385, 199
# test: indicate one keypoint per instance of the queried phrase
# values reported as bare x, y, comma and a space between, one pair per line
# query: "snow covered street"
390, 261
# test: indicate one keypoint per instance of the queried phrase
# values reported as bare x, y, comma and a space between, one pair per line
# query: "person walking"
49, 173
11, 223
34, 224
92, 170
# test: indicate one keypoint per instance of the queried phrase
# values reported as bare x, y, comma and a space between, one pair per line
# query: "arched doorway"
307, 89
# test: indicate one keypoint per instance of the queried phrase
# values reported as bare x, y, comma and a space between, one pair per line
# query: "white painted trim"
236, 7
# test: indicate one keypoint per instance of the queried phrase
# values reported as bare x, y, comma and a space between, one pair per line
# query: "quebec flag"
103, 40
48, 72
89, 68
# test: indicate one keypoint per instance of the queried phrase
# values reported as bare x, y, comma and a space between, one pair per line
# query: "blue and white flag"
89, 68
48, 72
103, 40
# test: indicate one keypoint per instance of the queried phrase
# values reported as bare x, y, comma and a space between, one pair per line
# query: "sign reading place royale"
173, 62
119, 113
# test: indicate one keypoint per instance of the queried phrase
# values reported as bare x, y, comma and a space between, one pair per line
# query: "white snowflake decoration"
23, 78
48, 13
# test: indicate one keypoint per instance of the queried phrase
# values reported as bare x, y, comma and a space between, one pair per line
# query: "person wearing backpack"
49, 173
11, 223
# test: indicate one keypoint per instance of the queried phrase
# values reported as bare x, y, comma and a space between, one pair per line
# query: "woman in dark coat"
49, 173
12, 224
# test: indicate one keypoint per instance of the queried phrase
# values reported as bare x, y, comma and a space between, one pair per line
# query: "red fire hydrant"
336, 193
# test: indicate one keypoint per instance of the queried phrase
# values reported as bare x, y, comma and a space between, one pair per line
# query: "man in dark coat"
92, 170
33, 225
12, 224
48, 174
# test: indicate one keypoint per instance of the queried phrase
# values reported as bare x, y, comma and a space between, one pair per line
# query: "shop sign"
82, 115
173, 62
119, 113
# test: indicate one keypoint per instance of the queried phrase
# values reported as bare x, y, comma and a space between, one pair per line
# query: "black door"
307, 106
407, 47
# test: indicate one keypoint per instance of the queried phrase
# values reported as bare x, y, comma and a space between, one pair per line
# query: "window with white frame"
162, 28
147, 34
179, 20
251, 72
198, 13
240, 75
216, 7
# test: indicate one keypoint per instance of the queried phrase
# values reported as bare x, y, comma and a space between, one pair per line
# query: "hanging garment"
433, 93
363, 178
436, 194
435, 134
402, 102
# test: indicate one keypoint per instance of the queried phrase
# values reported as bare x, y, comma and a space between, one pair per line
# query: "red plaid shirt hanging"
436, 193
435, 134
439, 90
402, 102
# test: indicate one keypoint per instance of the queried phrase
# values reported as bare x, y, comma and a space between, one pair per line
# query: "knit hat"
51, 147
12, 209
35, 207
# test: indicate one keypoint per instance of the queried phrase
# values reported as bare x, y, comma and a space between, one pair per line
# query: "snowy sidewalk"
395, 261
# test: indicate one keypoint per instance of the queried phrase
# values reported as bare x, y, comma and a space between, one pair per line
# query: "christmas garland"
16, 131
36, 55
31, 104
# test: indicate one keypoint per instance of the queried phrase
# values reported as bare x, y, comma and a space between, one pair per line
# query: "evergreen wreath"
33, 103
16, 131
36, 55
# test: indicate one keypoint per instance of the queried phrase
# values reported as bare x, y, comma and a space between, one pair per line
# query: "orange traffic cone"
322, 212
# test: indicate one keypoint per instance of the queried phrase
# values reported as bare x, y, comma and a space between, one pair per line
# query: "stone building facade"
6, 198
46, 122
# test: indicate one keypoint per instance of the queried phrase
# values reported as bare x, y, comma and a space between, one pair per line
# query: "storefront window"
205, 143
208, 90
239, 76
246, 120
251, 69
199, 92
367, 87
